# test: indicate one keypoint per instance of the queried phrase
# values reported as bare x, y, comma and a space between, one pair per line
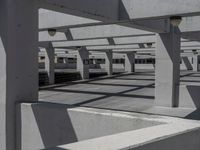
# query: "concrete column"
56, 59
18, 64
196, 59
83, 62
108, 62
130, 62
66, 60
50, 63
187, 63
95, 63
168, 68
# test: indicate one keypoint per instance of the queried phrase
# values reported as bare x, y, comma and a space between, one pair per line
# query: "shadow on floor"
194, 115
125, 94
48, 118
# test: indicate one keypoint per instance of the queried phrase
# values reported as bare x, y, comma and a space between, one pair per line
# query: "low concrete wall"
45, 125
185, 141
177, 134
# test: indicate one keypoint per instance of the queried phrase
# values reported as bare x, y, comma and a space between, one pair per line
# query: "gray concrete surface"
172, 133
126, 92
43, 125
187, 140
115, 91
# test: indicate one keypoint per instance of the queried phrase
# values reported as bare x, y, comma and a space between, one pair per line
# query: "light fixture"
52, 32
78, 47
175, 20
194, 51
149, 45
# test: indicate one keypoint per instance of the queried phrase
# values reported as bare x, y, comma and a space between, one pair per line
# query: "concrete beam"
93, 32
141, 9
119, 10
115, 41
189, 27
135, 47
187, 63
99, 10
61, 22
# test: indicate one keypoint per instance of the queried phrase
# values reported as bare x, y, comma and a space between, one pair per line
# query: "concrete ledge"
46, 125
43, 125
173, 136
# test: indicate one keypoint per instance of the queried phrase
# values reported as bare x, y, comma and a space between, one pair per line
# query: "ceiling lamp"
52, 32
175, 20
149, 45
194, 51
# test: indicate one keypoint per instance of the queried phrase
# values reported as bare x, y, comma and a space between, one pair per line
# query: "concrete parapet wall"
185, 141
177, 134
46, 125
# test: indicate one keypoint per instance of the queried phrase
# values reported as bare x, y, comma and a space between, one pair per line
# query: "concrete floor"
125, 92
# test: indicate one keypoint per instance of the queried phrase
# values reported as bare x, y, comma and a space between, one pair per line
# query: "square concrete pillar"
108, 62
95, 61
187, 63
50, 63
83, 63
130, 62
18, 64
196, 58
56, 59
168, 68
65, 60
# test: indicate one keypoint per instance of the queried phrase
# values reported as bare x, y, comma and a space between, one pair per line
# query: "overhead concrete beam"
187, 63
190, 24
115, 31
92, 42
95, 32
119, 10
135, 47
62, 22
99, 10
108, 41
145, 9
114, 41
